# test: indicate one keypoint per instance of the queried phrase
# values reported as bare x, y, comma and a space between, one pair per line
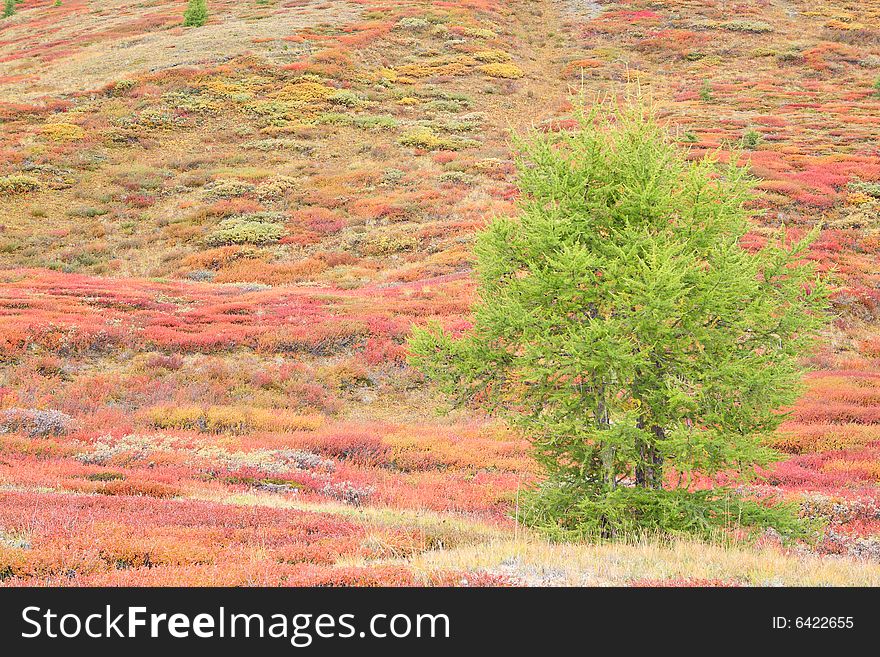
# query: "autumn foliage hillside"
215, 241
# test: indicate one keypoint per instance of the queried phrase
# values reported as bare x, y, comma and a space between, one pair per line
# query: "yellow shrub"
492, 56
280, 419
175, 417
231, 419
305, 92
510, 71
227, 89
18, 184
63, 131
429, 69
226, 419
478, 32
861, 467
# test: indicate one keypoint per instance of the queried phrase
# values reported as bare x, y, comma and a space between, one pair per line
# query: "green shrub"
867, 188
257, 228
706, 92
755, 27
346, 98
196, 13
424, 138
751, 139
229, 188
363, 121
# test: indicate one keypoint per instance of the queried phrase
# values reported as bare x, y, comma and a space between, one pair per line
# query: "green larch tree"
196, 13
622, 326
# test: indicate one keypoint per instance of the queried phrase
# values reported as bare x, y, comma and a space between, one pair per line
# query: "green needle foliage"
196, 13
624, 329
8, 8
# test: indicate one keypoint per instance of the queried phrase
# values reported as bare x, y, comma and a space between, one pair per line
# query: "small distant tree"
8, 8
624, 328
196, 13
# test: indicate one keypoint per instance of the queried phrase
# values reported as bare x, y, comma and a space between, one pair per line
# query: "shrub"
510, 71
492, 56
456, 178
275, 188
424, 138
363, 121
860, 186
636, 511
35, 423
8, 8
306, 92
346, 98
63, 132
755, 27
196, 13
256, 228
751, 139
231, 419
227, 189
18, 184
346, 491
412, 24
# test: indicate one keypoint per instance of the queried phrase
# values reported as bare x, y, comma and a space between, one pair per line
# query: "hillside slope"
214, 242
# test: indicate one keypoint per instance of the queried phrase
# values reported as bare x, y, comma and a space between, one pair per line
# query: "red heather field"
215, 241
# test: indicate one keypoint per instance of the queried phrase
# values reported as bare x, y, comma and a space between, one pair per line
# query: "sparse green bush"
424, 138
392, 177
280, 144
456, 178
124, 85
867, 188
492, 56
755, 27
751, 139
36, 423
706, 92
384, 243
275, 189
8, 8
346, 98
363, 121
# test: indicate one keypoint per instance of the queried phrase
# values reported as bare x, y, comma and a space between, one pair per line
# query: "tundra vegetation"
214, 251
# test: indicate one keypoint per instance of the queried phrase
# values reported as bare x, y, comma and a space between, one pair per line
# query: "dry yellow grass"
539, 562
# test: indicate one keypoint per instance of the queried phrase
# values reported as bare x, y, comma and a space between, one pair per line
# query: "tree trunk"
642, 451
608, 453
656, 478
